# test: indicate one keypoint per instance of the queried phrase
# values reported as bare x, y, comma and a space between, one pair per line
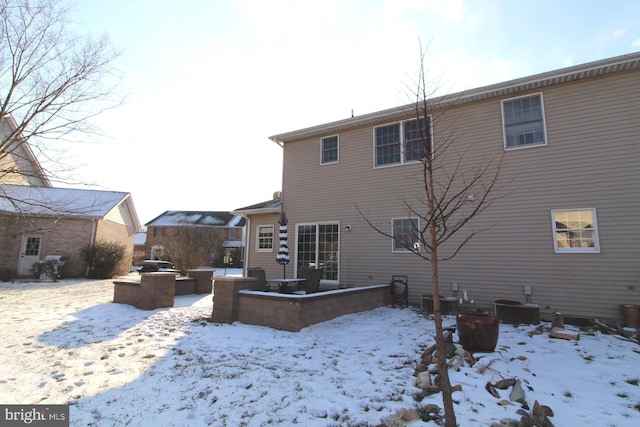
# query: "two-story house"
563, 235
224, 239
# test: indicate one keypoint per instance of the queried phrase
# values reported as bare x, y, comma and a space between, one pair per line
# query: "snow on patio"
117, 365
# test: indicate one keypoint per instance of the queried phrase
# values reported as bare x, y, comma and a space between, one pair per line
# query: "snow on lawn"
117, 365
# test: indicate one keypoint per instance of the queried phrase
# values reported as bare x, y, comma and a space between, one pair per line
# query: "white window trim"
317, 224
273, 238
337, 160
544, 123
393, 239
403, 160
596, 240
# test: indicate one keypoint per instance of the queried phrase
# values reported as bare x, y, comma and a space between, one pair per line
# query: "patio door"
317, 245
29, 252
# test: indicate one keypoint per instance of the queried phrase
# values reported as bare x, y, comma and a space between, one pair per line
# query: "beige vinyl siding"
592, 160
267, 260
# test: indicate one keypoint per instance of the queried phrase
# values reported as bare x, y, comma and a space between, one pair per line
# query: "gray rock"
505, 384
491, 389
423, 380
517, 392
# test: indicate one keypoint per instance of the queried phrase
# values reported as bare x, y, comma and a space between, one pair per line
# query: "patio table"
283, 284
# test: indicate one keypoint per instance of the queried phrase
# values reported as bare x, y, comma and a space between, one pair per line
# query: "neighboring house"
37, 220
228, 231
261, 235
139, 248
40, 221
567, 228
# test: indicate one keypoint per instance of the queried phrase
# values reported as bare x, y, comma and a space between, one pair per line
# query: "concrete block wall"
126, 292
204, 280
226, 297
294, 312
156, 290
185, 285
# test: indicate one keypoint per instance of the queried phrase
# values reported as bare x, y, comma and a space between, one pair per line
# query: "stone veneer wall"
234, 300
134, 293
204, 280
185, 286
126, 292
226, 299
155, 290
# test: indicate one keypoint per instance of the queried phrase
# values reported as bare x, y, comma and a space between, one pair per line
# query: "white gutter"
537, 81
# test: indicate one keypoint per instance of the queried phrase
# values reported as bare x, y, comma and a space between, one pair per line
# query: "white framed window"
523, 122
405, 235
318, 246
402, 142
264, 238
575, 231
329, 148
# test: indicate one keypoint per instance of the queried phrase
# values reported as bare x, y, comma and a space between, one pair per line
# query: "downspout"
247, 250
94, 230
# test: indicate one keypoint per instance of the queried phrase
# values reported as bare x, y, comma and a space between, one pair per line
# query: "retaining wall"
234, 300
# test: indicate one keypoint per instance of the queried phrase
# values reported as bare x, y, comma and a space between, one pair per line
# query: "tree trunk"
443, 369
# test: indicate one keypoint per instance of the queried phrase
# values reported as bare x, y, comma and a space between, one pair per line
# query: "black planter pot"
478, 332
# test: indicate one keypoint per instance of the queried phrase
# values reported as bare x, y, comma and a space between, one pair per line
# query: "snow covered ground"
117, 365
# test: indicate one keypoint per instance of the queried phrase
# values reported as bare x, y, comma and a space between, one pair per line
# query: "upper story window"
405, 235
264, 238
575, 230
330, 149
158, 232
523, 122
402, 142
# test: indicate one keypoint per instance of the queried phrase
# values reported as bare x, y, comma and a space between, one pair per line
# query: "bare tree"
52, 82
454, 191
191, 246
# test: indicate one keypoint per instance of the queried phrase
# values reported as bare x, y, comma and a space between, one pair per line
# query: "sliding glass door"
317, 245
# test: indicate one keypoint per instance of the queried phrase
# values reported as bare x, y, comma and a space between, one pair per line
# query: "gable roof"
537, 81
202, 218
29, 168
270, 206
70, 202
140, 238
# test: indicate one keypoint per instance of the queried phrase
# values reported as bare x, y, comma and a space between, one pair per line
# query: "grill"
57, 261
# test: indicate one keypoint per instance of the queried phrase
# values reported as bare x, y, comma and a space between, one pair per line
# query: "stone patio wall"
234, 300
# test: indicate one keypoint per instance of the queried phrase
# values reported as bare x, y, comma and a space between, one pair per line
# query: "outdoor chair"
311, 278
261, 283
399, 290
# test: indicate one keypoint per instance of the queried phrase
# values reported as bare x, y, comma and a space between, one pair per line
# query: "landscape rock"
517, 392
424, 380
505, 384
430, 413
403, 418
539, 416
492, 390
456, 363
420, 367
506, 422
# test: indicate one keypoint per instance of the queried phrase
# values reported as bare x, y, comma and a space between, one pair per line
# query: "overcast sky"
208, 81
